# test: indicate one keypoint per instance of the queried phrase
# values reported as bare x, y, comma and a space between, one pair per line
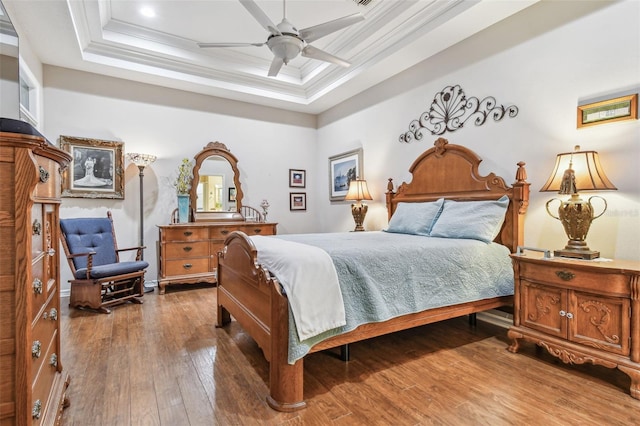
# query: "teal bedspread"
384, 275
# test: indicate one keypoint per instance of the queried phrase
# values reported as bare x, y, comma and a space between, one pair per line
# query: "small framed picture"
297, 201
343, 168
616, 109
232, 195
97, 168
297, 178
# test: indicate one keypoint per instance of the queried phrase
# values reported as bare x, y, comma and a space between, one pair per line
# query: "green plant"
183, 180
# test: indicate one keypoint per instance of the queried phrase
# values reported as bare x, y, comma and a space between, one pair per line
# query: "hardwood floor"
165, 363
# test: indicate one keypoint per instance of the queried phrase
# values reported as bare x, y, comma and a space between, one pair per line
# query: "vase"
183, 208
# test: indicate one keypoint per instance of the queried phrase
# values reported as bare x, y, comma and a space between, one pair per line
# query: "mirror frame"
221, 150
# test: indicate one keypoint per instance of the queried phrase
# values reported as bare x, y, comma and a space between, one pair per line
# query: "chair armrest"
138, 254
89, 253
131, 248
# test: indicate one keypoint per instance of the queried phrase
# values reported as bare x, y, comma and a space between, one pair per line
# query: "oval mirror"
215, 192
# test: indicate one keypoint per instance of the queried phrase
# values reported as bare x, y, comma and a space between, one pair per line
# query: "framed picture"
343, 168
232, 195
297, 201
96, 170
616, 109
297, 178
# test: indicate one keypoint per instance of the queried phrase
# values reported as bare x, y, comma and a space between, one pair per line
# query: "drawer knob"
187, 266
187, 248
53, 314
53, 361
188, 233
36, 411
36, 228
37, 286
44, 175
565, 275
35, 349
51, 252
224, 232
257, 230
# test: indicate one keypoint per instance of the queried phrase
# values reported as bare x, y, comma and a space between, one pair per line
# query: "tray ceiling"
112, 37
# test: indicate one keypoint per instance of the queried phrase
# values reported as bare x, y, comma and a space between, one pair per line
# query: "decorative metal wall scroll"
449, 111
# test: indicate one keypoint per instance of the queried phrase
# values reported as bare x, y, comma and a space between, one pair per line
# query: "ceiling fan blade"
230, 44
315, 53
276, 64
260, 16
313, 33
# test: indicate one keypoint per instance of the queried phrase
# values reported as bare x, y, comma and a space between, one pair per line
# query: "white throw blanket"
310, 281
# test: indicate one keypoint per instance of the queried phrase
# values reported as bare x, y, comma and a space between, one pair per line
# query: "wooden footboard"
248, 293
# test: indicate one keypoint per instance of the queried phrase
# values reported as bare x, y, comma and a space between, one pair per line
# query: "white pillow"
415, 218
477, 220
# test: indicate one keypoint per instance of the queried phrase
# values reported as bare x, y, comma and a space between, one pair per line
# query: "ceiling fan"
286, 42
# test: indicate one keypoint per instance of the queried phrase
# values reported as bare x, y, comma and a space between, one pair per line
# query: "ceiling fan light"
285, 47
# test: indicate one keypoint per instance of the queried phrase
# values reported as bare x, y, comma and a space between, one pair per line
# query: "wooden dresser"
188, 252
32, 381
580, 311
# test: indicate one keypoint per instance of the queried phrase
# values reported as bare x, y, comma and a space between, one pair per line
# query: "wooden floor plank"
165, 363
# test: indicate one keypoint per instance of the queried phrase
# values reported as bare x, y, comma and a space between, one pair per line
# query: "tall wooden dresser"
32, 381
188, 252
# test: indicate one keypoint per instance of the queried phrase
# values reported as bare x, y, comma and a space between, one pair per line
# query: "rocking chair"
100, 279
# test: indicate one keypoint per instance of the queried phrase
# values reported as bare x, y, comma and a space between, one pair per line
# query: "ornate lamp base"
577, 253
359, 211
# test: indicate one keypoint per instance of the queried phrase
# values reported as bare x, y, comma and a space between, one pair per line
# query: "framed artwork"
297, 178
232, 195
297, 201
616, 109
343, 168
96, 170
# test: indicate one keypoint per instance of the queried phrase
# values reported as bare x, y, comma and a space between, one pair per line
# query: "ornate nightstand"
580, 311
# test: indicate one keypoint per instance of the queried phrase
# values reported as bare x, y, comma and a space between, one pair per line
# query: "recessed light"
147, 11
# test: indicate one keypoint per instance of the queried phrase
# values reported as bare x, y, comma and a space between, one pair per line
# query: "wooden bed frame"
253, 297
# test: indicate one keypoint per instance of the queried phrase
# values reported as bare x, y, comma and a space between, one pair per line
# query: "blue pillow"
477, 220
415, 218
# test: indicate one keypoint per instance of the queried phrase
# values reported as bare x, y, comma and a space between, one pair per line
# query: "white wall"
174, 125
546, 60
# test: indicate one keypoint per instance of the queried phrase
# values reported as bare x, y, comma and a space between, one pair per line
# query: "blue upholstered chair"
100, 278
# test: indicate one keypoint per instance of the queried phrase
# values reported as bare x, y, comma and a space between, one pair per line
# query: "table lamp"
574, 172
358, 191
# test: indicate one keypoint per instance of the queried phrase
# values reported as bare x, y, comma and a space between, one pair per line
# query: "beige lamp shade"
587, 170
358, 190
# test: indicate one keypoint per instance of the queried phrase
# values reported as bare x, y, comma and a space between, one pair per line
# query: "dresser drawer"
177, 250
49, 179
182, 233
43, 380
221, 232
186, 266
256, 229
37, 287
43, 332
37, 230
565, 275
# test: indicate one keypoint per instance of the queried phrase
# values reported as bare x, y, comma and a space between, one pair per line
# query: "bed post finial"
441, 146
390, 185
521, 174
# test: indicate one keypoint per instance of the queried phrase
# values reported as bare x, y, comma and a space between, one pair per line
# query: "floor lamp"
142, 161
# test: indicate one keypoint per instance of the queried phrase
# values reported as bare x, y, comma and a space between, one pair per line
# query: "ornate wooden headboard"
451, 171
